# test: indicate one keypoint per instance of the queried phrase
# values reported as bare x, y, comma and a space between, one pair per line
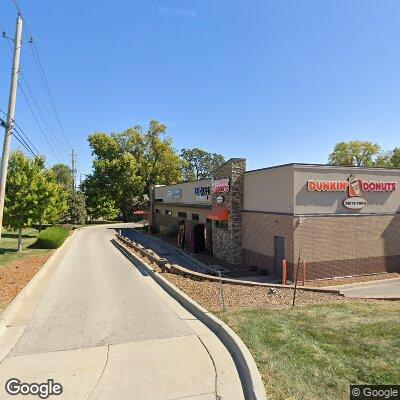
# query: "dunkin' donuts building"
342, 220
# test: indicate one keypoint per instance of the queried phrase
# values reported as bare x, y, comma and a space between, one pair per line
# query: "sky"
271, 81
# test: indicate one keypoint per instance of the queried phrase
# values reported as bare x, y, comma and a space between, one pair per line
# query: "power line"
23, 143
40, 112
21, 130
38, 123
39, 65
47, 88
23, 138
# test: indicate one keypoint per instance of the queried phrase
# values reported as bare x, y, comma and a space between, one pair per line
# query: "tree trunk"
20, 239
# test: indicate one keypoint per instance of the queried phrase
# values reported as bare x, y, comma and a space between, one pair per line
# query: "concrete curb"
362, 284
198, 275
36, 280
250, 377
381, 298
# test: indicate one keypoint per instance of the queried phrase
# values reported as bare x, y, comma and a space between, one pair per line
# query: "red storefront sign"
220, 185
342, 186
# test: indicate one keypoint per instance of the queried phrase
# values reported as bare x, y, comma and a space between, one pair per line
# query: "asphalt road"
105, 330
385, 289
173, 255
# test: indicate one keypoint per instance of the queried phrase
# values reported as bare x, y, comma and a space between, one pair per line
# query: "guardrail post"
284, 271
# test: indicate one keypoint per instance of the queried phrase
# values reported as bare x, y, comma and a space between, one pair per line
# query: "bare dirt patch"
15, 275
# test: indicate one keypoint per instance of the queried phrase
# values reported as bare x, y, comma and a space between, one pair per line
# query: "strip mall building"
342, 220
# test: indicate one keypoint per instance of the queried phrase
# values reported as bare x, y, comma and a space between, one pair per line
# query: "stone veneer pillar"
227, 242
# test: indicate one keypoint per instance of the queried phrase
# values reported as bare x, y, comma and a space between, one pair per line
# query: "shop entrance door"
181, 234
199, 238
279, 254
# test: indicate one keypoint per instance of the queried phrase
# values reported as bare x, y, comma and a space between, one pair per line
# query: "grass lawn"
8, 246
315, 352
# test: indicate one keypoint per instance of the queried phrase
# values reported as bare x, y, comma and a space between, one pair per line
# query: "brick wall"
353, 245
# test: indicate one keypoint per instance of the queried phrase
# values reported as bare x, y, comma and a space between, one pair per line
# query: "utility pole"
73, 170
10, 116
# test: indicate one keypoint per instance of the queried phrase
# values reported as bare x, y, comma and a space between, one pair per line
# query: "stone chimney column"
227, 240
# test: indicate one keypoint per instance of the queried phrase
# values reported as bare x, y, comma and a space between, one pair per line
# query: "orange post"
284, 270
304, 272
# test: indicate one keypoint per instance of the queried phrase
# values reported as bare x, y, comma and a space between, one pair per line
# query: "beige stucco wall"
188, 192
269, 190
259, 231
307, 202
188, 210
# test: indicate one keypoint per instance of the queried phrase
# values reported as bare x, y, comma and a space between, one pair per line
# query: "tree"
157, 161
63, 175
395, 158
99, 203
52, 200
199, 164
32, 194
355, 153
76, 207
125, 165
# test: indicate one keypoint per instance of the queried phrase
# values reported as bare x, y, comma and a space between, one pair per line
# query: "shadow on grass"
6, 251
15, 236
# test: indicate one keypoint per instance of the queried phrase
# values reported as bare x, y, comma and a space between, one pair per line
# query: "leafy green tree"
156, 159
199, 164
395, 158
356, 153
32, 194
384, 160
99, 203
76, 207
125, 165
63, 175
52, 200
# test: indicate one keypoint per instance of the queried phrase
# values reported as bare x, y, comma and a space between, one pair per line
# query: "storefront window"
195, 217
182, 215
157, 211
168, 212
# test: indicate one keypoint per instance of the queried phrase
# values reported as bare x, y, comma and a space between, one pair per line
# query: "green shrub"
168, 230
51, 238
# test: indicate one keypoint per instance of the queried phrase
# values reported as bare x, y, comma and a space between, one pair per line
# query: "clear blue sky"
273, 81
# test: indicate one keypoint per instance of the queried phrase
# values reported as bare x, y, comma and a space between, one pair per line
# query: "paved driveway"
173, 255
105, 330
383, 289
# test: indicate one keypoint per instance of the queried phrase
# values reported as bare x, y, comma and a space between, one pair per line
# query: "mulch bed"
15, 275
207, 293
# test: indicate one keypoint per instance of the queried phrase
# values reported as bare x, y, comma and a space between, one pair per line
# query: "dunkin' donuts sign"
354, 187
